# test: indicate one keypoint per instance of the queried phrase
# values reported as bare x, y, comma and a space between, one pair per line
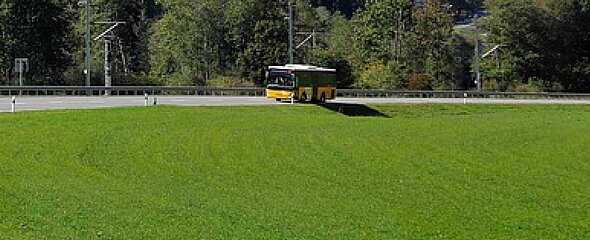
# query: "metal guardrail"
359, 93
255, 91
129, 91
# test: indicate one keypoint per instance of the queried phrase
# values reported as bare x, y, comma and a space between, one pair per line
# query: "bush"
529, 87
136, 80
421, 82
491, 85
230, 81
380, 76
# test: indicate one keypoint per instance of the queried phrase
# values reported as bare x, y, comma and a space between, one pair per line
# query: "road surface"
60, 103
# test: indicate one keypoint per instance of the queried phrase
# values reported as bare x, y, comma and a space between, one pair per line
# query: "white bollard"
292, 97
13, 104
146, 99
464, 98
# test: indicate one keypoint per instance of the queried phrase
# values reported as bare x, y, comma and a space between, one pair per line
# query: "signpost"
21, 66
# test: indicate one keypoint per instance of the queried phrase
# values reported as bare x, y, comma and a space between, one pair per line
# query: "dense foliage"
547, 42
373, 43
40, 30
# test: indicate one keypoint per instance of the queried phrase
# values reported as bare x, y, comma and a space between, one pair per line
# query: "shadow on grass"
353, 110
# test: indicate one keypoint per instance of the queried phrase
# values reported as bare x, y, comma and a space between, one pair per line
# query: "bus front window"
281, 81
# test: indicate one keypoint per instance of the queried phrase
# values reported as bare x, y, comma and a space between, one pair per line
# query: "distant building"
461, 9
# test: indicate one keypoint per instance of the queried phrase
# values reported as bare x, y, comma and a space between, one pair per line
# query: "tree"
381, 27
269, 42
346, 7
3, 39
198, 41
381, 76
546, 41
131, 38
338, 52
573, 18
40, 30
457, 57
525, 34
130, 55
427, 41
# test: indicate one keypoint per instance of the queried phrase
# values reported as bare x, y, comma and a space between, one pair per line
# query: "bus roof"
300, 67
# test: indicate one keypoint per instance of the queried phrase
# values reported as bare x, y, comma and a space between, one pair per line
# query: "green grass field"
297, 172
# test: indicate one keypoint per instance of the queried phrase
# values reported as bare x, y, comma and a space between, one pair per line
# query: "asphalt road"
60, 103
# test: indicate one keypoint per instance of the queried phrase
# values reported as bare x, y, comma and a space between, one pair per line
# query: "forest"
514, 45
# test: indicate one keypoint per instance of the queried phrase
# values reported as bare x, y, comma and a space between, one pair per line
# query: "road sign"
21, 66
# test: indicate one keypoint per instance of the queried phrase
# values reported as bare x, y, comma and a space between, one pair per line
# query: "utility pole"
291, 60
107, 52
107, 65
88, 45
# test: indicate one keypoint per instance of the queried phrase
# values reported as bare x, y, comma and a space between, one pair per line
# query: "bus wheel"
323, 98
278, 99
303, 97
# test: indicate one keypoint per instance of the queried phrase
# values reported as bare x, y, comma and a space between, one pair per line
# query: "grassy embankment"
419, 172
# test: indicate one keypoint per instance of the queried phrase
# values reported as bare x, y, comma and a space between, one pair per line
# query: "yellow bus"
301, 82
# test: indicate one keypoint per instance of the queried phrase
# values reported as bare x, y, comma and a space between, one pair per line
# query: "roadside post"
464, 98
155, 100
292, 97
146, 99
13, 104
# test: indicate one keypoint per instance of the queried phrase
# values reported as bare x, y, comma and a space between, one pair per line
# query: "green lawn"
297, 172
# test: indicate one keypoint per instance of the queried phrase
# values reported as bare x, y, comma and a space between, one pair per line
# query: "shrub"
421, 82
230, 81
531, 86
380, 76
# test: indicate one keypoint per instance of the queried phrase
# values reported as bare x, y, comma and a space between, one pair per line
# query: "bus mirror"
266, 75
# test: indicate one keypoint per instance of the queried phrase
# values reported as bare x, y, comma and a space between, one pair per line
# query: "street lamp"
477, 56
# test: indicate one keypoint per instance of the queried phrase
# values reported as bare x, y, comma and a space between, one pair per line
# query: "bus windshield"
281, 80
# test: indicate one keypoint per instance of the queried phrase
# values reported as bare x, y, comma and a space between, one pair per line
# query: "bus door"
308, 91
315, 93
